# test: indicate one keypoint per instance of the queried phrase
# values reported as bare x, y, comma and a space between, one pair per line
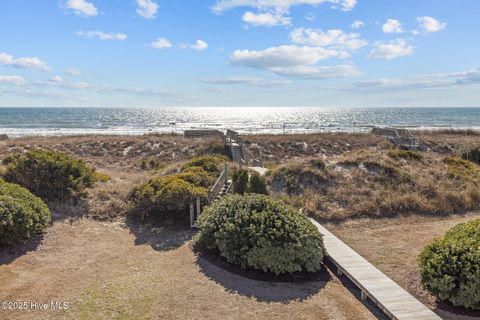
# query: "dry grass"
106, 271
381, 183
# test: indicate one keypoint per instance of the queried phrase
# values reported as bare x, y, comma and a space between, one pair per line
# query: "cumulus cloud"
82, 8
348, 5
392, 26
429, 24
250, 81
357, 24
161, 43
391, 50
331, 38
102, 35
23, 63
147, 9
199, 45
13, 80
293, 60
266, 19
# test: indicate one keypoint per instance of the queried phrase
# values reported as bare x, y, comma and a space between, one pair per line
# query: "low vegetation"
240, 181
50, 175
471, 154
378, 183
22, 215
450, 267
256, 231
167, 198
257, 184
404, 154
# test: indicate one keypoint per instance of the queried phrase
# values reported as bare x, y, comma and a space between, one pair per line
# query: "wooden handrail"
222, 179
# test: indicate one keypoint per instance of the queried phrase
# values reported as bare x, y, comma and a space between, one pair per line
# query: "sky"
292, 53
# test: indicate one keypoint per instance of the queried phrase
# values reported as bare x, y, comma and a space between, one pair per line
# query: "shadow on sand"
9, 254
159, 237
262, 286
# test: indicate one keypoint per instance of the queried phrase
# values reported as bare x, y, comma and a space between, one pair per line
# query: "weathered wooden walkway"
383, 291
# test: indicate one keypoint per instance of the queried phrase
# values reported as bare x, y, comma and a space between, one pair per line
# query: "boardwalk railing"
222, 179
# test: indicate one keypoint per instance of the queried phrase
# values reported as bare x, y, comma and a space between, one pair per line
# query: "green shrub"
256, 231
197, 176
208, 163
471, 154
50, 175
150, 164
166, 198
22, 215
462, 169
257, 184
450, 267
240, 181
404, 154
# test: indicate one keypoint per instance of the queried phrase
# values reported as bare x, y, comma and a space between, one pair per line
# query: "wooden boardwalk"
383, 291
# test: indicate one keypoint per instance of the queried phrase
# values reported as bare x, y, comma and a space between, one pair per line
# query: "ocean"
16, 122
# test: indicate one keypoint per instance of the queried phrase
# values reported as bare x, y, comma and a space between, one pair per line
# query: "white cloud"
13, 80
56, 79
447, 80
24, 63
430, 24
332, 38
357, 24
277, 5
391, 50
147, 9
161, 43
266, 19
82, 8
250, 81
73, 72
392, 26
102, 35
293, 60
348, 5
199, 45
319, 72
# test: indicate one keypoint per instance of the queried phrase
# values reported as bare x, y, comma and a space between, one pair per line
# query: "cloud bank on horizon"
239, 52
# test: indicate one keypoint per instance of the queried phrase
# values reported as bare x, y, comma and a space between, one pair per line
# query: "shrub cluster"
22, 215
257, 184
211, 164
450, 267
166, 198
240, 181
50, 175
471, 154
256, 231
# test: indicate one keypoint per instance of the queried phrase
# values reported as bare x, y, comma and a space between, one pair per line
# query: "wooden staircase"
221, 187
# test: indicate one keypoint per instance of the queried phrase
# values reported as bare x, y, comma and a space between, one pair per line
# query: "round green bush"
50, 175
256, 231
166, 198
22, 215
450, 267
211, 164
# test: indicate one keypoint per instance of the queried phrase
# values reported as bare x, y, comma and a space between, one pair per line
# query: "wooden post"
198, 206
192, 214
363, 296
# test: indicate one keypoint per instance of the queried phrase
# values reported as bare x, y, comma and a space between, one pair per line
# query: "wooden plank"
383, 291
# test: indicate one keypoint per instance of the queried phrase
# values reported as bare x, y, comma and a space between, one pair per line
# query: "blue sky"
332, 53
